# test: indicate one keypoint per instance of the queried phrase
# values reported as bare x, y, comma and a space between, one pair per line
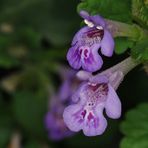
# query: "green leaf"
29, 110
135, 128
6, 123
140, 51
8, 61
140, 12
30, 37
122, 44
111, 9
5, 134
33, 144
140, 142
46, 17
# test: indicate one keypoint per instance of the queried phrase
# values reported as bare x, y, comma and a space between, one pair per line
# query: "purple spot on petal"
90, 117
85, 53
95, 33
83, 114
90, 59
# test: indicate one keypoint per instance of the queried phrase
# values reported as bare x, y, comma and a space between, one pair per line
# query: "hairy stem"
124, 66
119, 29
117, 73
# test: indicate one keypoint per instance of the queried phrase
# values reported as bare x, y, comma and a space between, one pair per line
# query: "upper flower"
87, 41
91, 99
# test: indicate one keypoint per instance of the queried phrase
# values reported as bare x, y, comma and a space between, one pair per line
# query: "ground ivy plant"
107, 26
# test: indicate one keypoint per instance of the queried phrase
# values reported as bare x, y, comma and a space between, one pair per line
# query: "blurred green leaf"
5, 134
139, 142
35, 79
8, 61
30, 37
122, 44
6, 122
111, 9
135, 128
140, 51
53, 19
29, 110
33, 144
5, 41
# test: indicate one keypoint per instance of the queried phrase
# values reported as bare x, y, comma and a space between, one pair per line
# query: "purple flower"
69, 83
86, 43
54, 123
57, 129
91, 99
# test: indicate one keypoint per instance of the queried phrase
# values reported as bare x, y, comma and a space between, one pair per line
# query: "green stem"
117, 73
125, 66
119, 29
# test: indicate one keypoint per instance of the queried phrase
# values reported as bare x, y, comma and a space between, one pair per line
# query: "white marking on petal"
93, 84
99, 27
88, 23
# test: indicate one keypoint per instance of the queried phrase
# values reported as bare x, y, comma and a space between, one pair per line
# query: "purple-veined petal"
107, 44
72, 117
79, 35
93, 63
113, 104
95, 126
74, 58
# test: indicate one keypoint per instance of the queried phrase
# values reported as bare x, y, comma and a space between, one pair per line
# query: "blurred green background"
34, 38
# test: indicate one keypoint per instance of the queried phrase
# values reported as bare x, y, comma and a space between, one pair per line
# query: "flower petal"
84, 14
74, 58
96, 126
57, 129
83, 75
79, 35
98, 20
72, 117
65, 88
113, 104
98, 79
79, 94
107, 44
76, 96
93, 63
49, 120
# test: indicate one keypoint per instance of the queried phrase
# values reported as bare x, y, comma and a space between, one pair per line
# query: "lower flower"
93, 97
